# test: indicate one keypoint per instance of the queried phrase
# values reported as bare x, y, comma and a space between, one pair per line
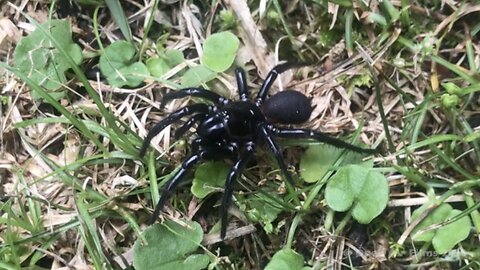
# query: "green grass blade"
119, 16
90, 235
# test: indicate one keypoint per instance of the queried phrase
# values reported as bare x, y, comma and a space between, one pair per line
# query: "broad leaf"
157, 66
359, 187
169, 246
446, 237
209, 177
37, 56
118, 65
285, 259
219, 51
319, 159
263, 209
436, 216
161, 64
197, 76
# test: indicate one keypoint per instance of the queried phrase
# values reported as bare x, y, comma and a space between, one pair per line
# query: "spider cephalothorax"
230, 129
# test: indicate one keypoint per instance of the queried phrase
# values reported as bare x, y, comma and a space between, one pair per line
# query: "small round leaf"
359, 187
37, 56
319, 159
209, 177
285, 259
446, 237
118, 66
196, 76
219, 51
436, 216
316, 162
168, 247
157, 66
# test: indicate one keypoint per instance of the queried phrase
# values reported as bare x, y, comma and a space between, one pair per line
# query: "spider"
232, 129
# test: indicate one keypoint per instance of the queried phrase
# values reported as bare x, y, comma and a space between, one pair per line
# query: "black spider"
232, 129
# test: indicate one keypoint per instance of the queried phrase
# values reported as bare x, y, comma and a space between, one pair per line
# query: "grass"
402, 75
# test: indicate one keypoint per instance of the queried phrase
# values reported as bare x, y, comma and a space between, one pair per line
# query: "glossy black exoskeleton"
232, 129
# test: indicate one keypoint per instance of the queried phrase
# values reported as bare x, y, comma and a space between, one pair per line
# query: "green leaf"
436, 216
173, 57
263, 209
451, 234
193, 262
319, 159
316, 162
372, 199
446, 237
119, 17
196, 76
118, 66
449, 101
219, 51
168, 246
359, 187
285, 259
209, 177
157, 66
37, 56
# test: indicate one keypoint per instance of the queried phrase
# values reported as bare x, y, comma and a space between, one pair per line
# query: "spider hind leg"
273, 146
318, 136
179, 176
232, 177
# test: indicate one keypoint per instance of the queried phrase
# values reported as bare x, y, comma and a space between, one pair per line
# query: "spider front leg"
321, 137
232, 177
192, 121
208, 153
194, 92
270, 79
241, 84
175, 116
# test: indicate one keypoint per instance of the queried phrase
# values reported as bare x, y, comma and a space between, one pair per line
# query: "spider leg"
195, 92
235, 171
319, 136
242, 84
270, 79
208, 153
183, 129
273, 146
195, 108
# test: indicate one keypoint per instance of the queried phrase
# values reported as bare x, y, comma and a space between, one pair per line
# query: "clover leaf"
446, 237
285, 259
319, 159
360, 188
118, 66
157, 66
209, 177
196, 76
169, 246
37, 56
263, 209
219, 51
165, 61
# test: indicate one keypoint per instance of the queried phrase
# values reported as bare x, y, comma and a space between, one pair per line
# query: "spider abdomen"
287, 107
